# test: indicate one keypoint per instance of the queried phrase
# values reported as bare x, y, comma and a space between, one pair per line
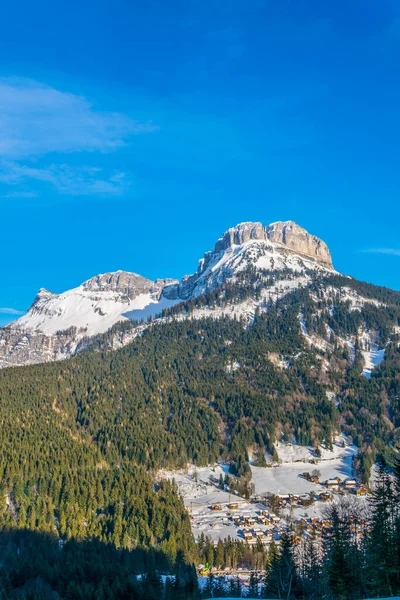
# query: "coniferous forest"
82, 512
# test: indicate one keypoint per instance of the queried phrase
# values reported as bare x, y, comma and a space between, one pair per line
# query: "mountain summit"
59, 325
281, 245
284, 233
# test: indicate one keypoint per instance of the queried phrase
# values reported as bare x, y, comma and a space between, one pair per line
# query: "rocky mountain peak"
42, 297
285, 233
124, 283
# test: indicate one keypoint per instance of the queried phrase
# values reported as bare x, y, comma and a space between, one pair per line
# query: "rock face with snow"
277, 246
286, 234
59, 325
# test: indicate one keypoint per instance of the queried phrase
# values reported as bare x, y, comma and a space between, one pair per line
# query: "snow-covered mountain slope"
96, 305
59, 325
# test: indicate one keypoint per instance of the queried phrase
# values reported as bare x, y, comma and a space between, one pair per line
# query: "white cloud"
36, 120
65, 179
10, 311
392, 251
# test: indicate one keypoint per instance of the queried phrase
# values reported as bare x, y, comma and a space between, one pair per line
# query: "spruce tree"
382, 560
337, 566
282, 580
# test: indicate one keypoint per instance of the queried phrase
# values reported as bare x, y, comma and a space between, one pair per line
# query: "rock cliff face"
287, 234
300, 241
59, 325
128, 285
276, 246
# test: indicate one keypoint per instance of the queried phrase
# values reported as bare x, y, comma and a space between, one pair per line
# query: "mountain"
58, 326
265, 343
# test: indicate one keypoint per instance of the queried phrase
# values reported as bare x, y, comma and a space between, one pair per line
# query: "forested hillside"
81, 438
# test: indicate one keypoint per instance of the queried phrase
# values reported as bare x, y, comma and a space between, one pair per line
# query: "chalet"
262, 520
327, 524
269, 533
360, 491
314, 479
216, 507
282, 497
324, 497
233, 506
236, 518
333, 483
275, 519
350, 483
248, 536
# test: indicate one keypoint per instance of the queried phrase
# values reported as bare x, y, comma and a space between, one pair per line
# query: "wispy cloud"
10, 311
36, 120
392, 251
65, 179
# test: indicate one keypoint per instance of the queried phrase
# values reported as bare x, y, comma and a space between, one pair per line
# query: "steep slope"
59, 325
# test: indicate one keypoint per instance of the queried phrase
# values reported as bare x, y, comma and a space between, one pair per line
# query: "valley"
213, 419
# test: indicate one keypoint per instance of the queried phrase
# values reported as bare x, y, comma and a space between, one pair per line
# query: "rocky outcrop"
242, 233
298, 240
285, 233
128, 285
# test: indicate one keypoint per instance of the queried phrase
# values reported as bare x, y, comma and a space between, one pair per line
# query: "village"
285, 496
256, 522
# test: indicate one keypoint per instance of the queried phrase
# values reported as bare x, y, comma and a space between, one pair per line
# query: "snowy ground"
200, 495
372, 358
198, 486
285, 478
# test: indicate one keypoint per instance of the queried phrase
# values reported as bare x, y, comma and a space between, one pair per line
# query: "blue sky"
132, 134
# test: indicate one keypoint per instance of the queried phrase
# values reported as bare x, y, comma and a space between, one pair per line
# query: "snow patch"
372, 359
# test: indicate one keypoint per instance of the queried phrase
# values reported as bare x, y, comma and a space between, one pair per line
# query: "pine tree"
382, 565
253, 591
312, 571
282, 578
219, 554
337, 566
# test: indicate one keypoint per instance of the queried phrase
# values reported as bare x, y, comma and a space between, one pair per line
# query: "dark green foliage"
37, 567
282, 578
80, 439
